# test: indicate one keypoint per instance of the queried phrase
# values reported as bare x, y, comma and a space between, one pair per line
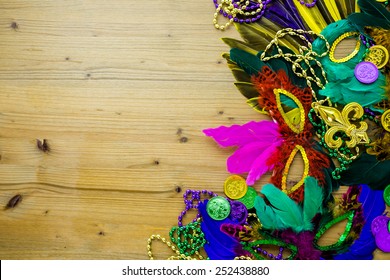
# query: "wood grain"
121, 90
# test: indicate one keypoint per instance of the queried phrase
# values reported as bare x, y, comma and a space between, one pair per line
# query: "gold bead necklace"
232, 10
177, 255
306, 55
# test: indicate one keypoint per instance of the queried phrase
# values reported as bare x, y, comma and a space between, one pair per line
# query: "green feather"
254, 103
372, 14
267, 215
267, 31
250, 63
312, 201
362, 170
287, 209
282, 212
237, 44
360, 21
239, 74
252, 36
375, 9
247, 89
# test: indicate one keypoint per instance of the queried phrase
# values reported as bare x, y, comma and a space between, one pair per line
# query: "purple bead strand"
251, 7
309, 5
192, 198
270, 255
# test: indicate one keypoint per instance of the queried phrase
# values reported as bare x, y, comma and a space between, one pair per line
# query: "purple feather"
284, 13
219, 246
373, 206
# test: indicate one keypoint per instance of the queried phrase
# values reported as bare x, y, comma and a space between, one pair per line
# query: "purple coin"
238, 213
382, 239
366, 72
378, 224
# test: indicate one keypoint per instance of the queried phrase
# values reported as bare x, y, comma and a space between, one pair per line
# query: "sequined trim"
295, 128
337, 41
287, 168
253, 246
349, 215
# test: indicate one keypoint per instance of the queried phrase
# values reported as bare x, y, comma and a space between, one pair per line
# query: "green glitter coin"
386, 195
218, 208
388, 226
249, 198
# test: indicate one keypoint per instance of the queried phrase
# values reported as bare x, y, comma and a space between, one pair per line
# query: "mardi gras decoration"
334, 112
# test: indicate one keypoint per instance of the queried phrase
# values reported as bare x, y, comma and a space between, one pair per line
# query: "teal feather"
342, 86
284, 213
331, 33
312, 201
285, 208
267, 215
348, 89
250, 63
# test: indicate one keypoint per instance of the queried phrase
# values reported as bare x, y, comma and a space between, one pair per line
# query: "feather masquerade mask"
334, 112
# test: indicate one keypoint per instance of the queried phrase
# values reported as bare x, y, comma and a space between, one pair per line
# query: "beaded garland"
241, 11
288, 73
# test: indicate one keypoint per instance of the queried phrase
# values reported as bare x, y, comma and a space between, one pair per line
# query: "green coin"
386, 195
388, 226
218, 208
249, 198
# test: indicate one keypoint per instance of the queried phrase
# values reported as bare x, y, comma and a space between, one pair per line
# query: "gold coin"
378, 55
235, 187
385, 120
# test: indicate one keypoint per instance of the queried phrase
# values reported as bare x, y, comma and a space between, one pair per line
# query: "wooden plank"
121, 90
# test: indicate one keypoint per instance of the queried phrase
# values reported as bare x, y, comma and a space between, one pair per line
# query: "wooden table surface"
121, 90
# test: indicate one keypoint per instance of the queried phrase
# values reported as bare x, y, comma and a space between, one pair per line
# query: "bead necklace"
259, 254
240, 11
168, 243
192, 198
309, 5
185, 250
306, 55
270, 255
188, 239
243, 258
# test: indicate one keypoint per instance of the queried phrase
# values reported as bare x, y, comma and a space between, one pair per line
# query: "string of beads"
306, 55
240, 11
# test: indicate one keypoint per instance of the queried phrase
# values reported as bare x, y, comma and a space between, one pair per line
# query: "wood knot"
43, 145
14, 25
14, 201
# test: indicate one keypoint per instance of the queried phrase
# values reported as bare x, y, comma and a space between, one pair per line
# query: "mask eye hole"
267, 249
298, 153
291, 110
342, 223
347, 40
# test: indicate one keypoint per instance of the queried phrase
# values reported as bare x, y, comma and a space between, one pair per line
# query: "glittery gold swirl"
340, 122
378, 55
